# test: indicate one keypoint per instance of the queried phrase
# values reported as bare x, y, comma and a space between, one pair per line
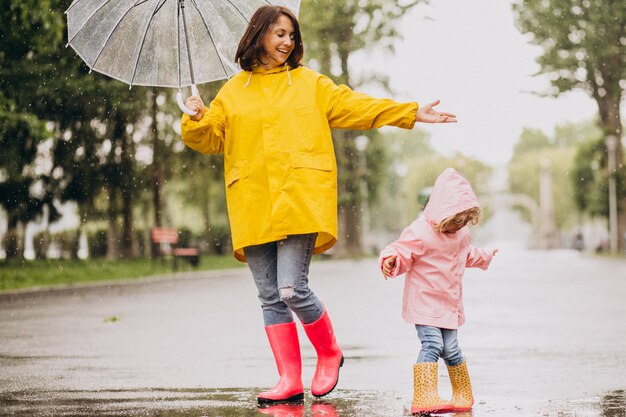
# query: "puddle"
241, 402
611, 404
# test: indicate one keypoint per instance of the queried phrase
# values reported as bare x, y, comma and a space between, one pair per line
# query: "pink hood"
451, 194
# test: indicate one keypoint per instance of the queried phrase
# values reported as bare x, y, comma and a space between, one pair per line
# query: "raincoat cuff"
189, 124
413, 114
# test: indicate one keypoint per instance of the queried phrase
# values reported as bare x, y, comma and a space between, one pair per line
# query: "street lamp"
611, 146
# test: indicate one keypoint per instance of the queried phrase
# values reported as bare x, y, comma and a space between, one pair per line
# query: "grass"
20, 274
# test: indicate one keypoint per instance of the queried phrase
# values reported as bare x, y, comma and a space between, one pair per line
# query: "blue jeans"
439, 343
280, 271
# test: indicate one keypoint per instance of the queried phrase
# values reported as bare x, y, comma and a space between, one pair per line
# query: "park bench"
168, 240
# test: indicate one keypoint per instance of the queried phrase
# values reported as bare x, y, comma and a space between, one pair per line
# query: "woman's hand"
388, 265
428, 114
195, 103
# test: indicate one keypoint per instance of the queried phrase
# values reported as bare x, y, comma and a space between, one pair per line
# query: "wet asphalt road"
545, 336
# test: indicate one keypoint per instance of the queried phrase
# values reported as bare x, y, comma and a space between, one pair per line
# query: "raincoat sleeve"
207, 134
347, 109
478, 258
407, 249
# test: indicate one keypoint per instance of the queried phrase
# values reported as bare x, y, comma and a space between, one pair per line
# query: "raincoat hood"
257, 69
451, 195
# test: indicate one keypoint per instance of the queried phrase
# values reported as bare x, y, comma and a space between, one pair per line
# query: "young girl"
273, 123
434, 252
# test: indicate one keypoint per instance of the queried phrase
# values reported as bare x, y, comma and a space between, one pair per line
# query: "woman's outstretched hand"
428, 114
195, 103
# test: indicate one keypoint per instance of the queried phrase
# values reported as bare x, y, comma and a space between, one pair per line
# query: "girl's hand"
428, 114
494, 251
388, 265
195, 103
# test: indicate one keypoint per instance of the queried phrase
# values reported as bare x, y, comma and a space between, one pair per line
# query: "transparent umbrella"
162, 43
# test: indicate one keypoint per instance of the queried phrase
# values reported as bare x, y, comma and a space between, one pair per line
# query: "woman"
273, 122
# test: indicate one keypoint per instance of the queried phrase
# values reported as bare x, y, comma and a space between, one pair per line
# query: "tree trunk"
349, 195
112, 240
609, 109
14, 239
206, 213
155, 168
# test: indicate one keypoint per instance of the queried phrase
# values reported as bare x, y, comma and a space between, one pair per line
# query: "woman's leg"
263, 263
293, 260
279, 326
294, 257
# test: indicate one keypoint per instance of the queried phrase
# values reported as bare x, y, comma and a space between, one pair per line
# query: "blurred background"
89, 168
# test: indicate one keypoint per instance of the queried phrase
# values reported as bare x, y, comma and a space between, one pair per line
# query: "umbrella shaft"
181, 3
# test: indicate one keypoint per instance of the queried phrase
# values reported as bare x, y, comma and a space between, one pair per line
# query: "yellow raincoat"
279, 163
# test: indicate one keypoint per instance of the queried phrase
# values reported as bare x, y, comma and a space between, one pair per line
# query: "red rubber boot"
329, 355
284, 342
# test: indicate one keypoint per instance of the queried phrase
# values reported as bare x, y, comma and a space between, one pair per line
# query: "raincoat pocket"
238, 171
431, 302
319, 161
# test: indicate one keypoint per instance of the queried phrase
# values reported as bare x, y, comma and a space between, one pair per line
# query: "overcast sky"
470, 55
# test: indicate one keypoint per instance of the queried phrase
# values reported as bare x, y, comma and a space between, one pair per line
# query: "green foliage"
591, 183
582, 40
536, 151
24, 29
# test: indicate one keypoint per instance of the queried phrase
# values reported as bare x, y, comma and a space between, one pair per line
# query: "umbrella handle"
181, 103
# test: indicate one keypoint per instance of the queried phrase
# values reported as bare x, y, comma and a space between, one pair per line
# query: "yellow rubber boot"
426, 395
462, 398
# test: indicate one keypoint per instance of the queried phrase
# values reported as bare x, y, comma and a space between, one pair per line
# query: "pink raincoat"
434, 262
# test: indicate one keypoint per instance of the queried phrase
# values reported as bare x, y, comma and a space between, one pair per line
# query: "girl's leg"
262, 261
425, 382
462, 397
452, 354
432, 343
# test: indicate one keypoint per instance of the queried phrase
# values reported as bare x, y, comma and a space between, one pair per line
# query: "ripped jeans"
280, 271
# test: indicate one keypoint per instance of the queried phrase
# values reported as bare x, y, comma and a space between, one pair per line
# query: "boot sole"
331, 390
293, 399
428, 410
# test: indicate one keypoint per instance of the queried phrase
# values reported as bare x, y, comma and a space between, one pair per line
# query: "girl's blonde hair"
468, 216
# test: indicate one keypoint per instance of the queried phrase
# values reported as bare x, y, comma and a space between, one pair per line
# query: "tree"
583, 48
25, 28
333, 31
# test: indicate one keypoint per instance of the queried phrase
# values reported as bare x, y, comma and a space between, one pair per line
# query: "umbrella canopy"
162, 43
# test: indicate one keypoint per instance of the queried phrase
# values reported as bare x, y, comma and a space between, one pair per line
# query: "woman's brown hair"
250, 50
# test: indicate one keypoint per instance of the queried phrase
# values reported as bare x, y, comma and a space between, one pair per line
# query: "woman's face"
278, 43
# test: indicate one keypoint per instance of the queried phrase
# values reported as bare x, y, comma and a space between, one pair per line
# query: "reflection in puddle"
241, 402
612, 404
